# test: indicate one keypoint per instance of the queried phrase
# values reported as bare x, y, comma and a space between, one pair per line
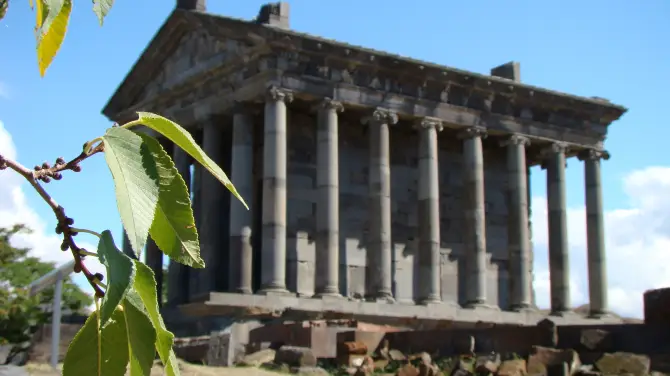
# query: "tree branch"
64, 222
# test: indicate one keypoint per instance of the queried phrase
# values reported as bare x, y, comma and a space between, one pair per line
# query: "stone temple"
379, 186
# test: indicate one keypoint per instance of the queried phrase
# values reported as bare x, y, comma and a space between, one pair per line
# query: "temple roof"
180, 22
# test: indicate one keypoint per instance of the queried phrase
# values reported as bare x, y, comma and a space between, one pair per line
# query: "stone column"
328, 202
429, 211
379, 248
178, 283
518, 237
475, 222
195, 287
559, 268
213, 196
273, 256
153, 258
595, 232
241, 251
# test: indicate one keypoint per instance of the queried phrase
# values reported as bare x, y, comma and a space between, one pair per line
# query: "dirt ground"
43, 369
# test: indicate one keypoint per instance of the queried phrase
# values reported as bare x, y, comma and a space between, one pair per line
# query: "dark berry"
74, 233
69, 221
77, 268
46, 165
64, 246
60, 161
99, 277
37, 168
76, 168
57, 176
46, 179
59, 229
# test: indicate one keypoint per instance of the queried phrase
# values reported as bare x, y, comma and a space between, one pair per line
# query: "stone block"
624, 363
657, 306
295, 356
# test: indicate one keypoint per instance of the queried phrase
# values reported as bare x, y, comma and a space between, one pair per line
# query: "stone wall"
302, 199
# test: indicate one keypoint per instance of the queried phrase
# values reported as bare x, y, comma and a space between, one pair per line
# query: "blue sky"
612, 49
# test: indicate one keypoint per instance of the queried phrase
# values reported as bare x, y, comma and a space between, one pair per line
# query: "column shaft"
273, 257
154, 259
429, 212
327, 207
518, 237
595, 232
559, 267
211, 209
475, 223
241, 251
379, 248
178, 283
195, 286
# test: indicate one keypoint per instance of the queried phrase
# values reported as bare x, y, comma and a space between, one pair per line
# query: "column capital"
428, 123
515, 139
593, 154
553, 148
381, 116
276, 93
329, 104
472, 132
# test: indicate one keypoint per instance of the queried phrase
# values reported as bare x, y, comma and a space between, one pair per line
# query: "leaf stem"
87, 253
131, 124
88, 147
86, 231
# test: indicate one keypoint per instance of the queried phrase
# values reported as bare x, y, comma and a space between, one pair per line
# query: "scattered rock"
310, 371
596, 340
512, 367
487, 363
548, 333
295, 356
542, 357
396, 355
622, 362
4, 353
381, 364
10, 370
258, 358
408, 370
368, 366
560, 369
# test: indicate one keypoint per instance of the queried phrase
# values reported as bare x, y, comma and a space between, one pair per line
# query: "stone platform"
444, 315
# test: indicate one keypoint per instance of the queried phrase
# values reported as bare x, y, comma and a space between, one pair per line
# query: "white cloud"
15, 208
637, 243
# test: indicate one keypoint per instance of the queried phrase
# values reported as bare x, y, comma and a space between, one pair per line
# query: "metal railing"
54, 278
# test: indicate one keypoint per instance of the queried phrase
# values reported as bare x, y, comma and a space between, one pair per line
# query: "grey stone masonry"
379, 248
273, 263
518, 237
429, 211
178, 279
328, 203
241, 252
475, 222
595, 232
559, 267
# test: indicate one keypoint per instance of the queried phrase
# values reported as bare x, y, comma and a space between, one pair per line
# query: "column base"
480, 305
600, 314
430, 300
328, 295
381, 298
282, 291
243, 290
523, 307
562, 313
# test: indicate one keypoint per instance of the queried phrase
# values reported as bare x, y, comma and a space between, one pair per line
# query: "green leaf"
101, 353
141, 335
101, 8
173, 228
183, 139
145, 286
51, 29
135, 181
4, 4
120, 275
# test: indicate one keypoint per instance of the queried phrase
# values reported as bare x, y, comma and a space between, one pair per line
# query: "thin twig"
64, 222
